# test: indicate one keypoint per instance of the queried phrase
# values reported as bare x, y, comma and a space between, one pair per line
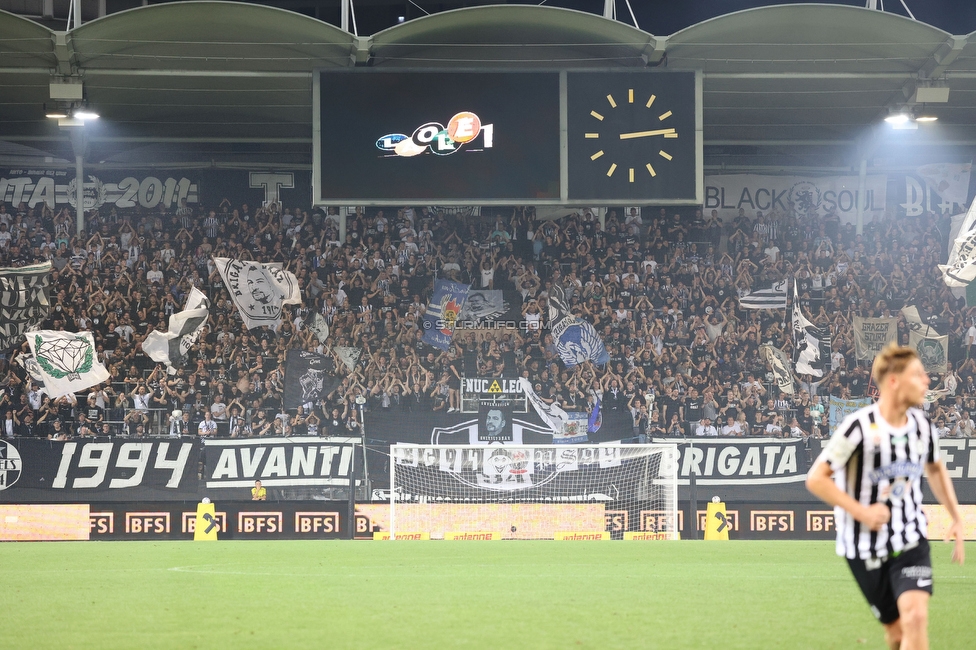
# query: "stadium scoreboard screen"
501, 138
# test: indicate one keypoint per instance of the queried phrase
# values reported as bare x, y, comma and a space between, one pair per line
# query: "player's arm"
821, 484
941, 485
835, 456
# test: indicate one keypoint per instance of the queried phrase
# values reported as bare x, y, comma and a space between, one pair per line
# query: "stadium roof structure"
797, 86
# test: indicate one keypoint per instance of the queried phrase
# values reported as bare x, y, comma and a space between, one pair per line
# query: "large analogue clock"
632, 136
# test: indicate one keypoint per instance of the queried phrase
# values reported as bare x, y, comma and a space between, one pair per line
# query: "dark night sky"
664, 17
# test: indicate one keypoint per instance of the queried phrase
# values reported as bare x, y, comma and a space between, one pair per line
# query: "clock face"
631, 136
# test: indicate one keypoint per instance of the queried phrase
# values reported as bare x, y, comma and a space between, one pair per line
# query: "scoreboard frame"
378, 165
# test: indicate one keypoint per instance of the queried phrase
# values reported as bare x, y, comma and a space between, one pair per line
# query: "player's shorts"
882, 585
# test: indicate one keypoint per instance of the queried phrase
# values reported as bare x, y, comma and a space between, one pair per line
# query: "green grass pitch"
341, 594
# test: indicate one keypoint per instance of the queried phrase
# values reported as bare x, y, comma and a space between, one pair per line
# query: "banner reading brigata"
805, 195
744, 462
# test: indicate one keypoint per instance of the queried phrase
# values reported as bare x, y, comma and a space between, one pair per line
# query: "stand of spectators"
660, 286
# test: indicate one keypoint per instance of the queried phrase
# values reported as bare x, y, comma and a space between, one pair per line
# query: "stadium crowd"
661, 286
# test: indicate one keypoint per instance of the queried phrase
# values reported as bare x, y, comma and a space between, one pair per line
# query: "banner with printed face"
932, 350
445, 306
24, 301
871, 335
488, 308
259, 291
806, 196
67, 361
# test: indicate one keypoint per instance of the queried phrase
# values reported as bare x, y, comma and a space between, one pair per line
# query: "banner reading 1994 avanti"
804, 195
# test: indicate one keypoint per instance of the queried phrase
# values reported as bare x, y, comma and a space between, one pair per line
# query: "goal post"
534, 491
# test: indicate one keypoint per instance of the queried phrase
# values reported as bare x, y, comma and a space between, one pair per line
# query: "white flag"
259, 291
811, 344
773, 297
551, 414
933, 351
778, 362
949, 180
319, 327
29, 363
348, 356
960, 269
67, 361
185, 326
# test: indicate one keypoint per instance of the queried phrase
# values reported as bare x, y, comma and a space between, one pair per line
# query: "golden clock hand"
644, 134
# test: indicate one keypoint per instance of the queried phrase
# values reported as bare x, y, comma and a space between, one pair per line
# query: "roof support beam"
65, 53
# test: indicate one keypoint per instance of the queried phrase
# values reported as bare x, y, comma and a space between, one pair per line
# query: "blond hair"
892, 359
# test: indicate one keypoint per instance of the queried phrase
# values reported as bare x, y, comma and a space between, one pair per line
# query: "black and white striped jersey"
875, 462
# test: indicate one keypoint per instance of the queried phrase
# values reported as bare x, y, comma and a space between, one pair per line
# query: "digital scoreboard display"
587, 137
385, 137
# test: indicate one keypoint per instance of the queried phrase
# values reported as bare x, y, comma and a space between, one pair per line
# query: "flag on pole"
259, 291
960, 269
779, 363
29, 363
919, 321
349, 356
577, 340
771, 297
24, 301
811, 344
319, 327
933, 351
67, 361
171, 347
554, 416
444, 309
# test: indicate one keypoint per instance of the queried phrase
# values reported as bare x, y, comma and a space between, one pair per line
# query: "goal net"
533, 492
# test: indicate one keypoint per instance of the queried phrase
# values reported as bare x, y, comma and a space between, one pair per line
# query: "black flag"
309, 377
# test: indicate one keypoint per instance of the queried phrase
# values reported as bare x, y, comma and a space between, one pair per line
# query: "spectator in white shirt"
207, 427
706, 429
733, 428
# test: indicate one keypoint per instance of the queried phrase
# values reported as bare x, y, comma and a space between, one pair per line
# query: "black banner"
308, 378
105, 189
45, 471
24, 301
